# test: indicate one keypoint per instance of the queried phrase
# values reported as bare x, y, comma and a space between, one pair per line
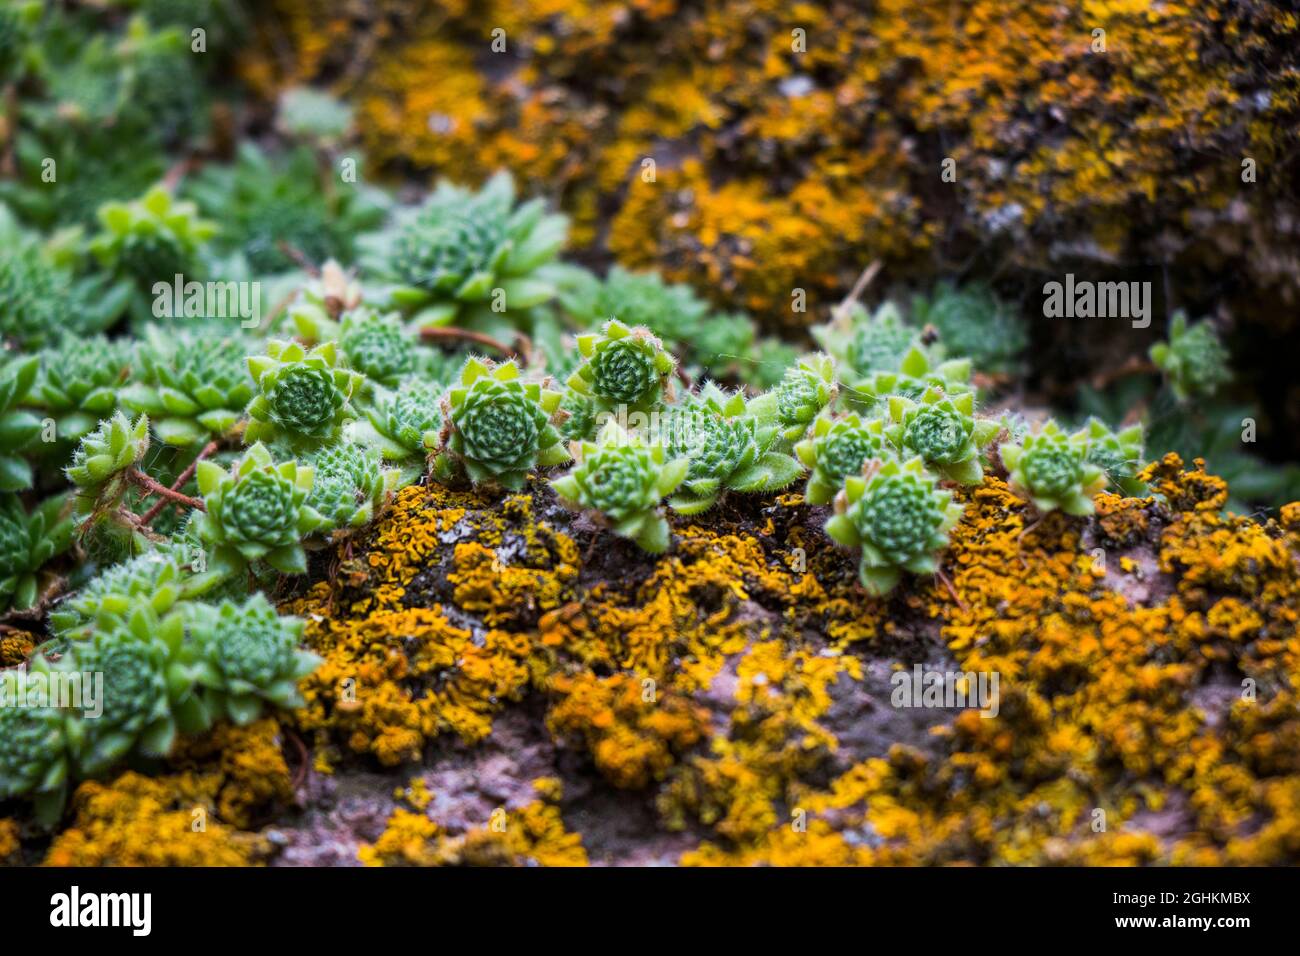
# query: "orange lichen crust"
732, 702
532, 835
791, 153
136, 820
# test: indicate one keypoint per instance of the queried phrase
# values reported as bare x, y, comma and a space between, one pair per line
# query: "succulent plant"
499, 426
303, 397
672, 312
974, 323
405, 423
268, 204
836, 449
865, 342
581, 416
194, 386
151, 239
943, 431
248, 657
1117, 454
148, 690
801, 394
623, 480
900, 518
378, 346
1194, 361
256, 511
27, 542
1052, 469
623, 367
452, 255
17, 428
727, 450
33, 745
102, 462
349, 486
40, 298
80, 381
916, 375
155, 578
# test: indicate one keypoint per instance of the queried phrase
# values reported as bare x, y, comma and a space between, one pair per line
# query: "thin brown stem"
158, 488
179, 483
522, 346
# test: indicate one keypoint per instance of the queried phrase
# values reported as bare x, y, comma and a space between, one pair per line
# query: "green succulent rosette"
257, 511
623, 367
248, 656
1052, 469
34, 749
917, 373
863, 343
79, 382
799, 397
836, 449
404, 423
378, 346
623, 480
194, 387
350, 485
41, 298
151, 239
1194, 361
18, 428
303, 397
943, 431
149, 687
28, 540
899, 517
726, 448
1117, 454
974, 323
473, 259
155, 578
500, 427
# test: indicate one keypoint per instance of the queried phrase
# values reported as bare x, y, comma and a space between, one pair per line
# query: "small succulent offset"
79, 382
304, 397
17, 428
623, 480
154, 578
248, 656
1052, 469
1117, 454
1193, 360
943, 431
623, 367
900, 518
152, 238
500, 427
27, 542
102, 462
836, 449
33, 746
453, 253
256, 511
727, 450
194, 387
349, 486
802, 393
